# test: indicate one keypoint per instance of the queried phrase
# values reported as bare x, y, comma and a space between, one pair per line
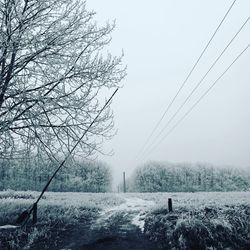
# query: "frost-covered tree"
167, 177
77, 176
52, 68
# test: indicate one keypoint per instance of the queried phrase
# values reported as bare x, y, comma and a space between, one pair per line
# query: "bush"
208, 228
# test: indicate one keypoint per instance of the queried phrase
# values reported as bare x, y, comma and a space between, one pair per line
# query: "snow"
9, 227
133, 206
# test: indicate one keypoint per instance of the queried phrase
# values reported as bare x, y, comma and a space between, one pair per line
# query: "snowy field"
76, 219
196, 199
12, 202
103, 200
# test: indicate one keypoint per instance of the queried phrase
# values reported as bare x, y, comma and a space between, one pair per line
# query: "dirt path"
134, 209
118, 228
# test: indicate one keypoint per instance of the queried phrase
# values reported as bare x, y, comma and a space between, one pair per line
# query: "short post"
170, 205
34, 221
124, 183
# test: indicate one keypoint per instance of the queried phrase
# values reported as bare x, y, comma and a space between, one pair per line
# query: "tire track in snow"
121, 227
134, 209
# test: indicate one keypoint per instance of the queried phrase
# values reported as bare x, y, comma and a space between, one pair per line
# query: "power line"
198, 101
186, 79
199, 83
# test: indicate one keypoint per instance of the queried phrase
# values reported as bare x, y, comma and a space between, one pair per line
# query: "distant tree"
52, 69
77, 176
184, 177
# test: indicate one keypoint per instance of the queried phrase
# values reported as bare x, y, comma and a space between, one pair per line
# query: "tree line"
76, 176
185, 177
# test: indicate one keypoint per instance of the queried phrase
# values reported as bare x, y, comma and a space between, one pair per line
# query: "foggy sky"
161, 41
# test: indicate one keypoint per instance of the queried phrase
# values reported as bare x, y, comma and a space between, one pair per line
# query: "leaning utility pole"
23, 218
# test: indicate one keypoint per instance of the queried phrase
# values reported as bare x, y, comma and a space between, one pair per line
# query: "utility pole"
23, 217
124, 183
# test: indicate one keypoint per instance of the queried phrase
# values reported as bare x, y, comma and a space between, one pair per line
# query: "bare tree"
53, 68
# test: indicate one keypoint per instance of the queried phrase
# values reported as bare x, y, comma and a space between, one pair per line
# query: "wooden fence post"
34, 221
170, 205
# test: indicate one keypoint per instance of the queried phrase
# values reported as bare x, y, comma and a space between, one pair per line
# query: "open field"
109, 220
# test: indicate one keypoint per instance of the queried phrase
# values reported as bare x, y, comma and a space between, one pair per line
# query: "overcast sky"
161, 40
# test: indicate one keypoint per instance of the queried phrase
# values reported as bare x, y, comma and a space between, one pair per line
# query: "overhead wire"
186, 79
198, 84
199, 100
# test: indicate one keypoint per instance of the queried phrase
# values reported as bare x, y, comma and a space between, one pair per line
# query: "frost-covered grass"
54, 206
200, 220
63, 198
57, 214
217, 227
196, 199
197, 217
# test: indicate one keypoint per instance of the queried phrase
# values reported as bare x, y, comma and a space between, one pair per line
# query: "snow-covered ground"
115, 216
132, 205
196, 199
135, 208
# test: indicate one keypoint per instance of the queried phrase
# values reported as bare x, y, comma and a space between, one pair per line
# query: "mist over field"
124, 125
